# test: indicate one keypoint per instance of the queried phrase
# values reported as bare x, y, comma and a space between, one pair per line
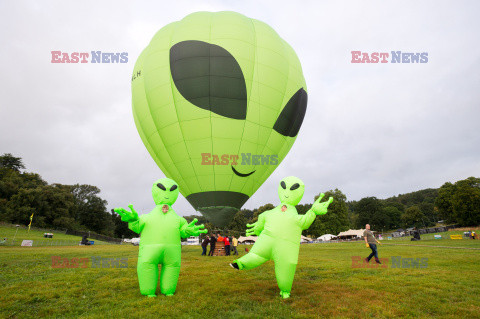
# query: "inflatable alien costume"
160, 231
279, 232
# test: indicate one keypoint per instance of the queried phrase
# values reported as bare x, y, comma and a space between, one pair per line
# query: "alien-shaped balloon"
160, 232
218, 100
279, 231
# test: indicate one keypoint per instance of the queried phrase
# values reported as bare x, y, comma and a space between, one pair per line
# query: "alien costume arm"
257, 227
187, 230
135, 223
318, 208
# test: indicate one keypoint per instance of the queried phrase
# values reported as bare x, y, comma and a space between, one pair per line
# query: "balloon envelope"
218, 100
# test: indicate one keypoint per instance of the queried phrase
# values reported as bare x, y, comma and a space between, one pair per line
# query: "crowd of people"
230, 242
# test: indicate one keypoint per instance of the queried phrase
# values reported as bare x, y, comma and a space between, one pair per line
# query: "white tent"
351, 233
304, 239
326, 237
248, 239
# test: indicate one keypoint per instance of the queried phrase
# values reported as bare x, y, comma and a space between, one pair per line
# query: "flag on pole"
31, 217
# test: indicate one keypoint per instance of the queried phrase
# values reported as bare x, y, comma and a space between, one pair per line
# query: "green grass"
59, 238
325, 285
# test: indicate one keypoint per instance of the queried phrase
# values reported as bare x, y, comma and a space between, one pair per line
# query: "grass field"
325, 285
59, 238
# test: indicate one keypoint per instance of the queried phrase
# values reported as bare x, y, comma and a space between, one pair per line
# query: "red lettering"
84, 56
234, 159
216, 160
384, 56
355, 55
206, 159
55, 58
57, 262
75, 57
365, 58
224, 159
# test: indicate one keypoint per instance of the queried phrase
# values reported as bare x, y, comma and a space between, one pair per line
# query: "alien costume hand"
250, 229
194, 230
321, 208
126, 215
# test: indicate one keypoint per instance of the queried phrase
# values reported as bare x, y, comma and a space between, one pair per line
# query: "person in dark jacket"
205, 242
213, 241
85, 240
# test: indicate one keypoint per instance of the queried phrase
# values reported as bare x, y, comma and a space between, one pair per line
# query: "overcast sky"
370, 129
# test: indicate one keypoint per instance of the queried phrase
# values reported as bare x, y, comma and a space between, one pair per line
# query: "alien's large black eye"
291, 118
160, 185
209, 77
282, 183
174, 187
294, 186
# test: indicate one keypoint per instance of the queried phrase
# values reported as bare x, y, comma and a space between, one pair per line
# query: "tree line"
76, 207
80, 207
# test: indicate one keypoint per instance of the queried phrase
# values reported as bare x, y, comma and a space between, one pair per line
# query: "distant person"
85, 240
371, 242
416, 235
205, 242
213, 241
234, 245
219, 238
227, 246
473, 234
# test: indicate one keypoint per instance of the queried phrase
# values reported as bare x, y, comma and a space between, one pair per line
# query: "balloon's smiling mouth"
240, 174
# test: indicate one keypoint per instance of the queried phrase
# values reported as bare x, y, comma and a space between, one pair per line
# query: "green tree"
336, 220
48, 202
369, 210
444, 202
9, 161
466, 202
414, 216
90, 210
238, 224
393, 215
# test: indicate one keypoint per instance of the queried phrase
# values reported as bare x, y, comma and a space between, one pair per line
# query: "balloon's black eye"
174, 187
282, 183
291, 118
295, 186
209, 77
160, 185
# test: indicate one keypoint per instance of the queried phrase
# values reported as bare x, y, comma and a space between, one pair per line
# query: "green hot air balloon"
218, 99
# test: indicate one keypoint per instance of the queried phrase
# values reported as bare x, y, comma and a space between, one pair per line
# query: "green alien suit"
279, 232
160, 231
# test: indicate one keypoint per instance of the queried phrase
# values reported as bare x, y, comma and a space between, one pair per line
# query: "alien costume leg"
147, 268
170, 269
260, 253
285, 257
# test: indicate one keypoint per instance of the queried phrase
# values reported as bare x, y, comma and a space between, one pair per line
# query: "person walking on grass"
205, 242
234, 245
371, 242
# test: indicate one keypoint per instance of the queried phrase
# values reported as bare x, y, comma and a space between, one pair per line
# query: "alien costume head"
165, 191
218, 100
290, 190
